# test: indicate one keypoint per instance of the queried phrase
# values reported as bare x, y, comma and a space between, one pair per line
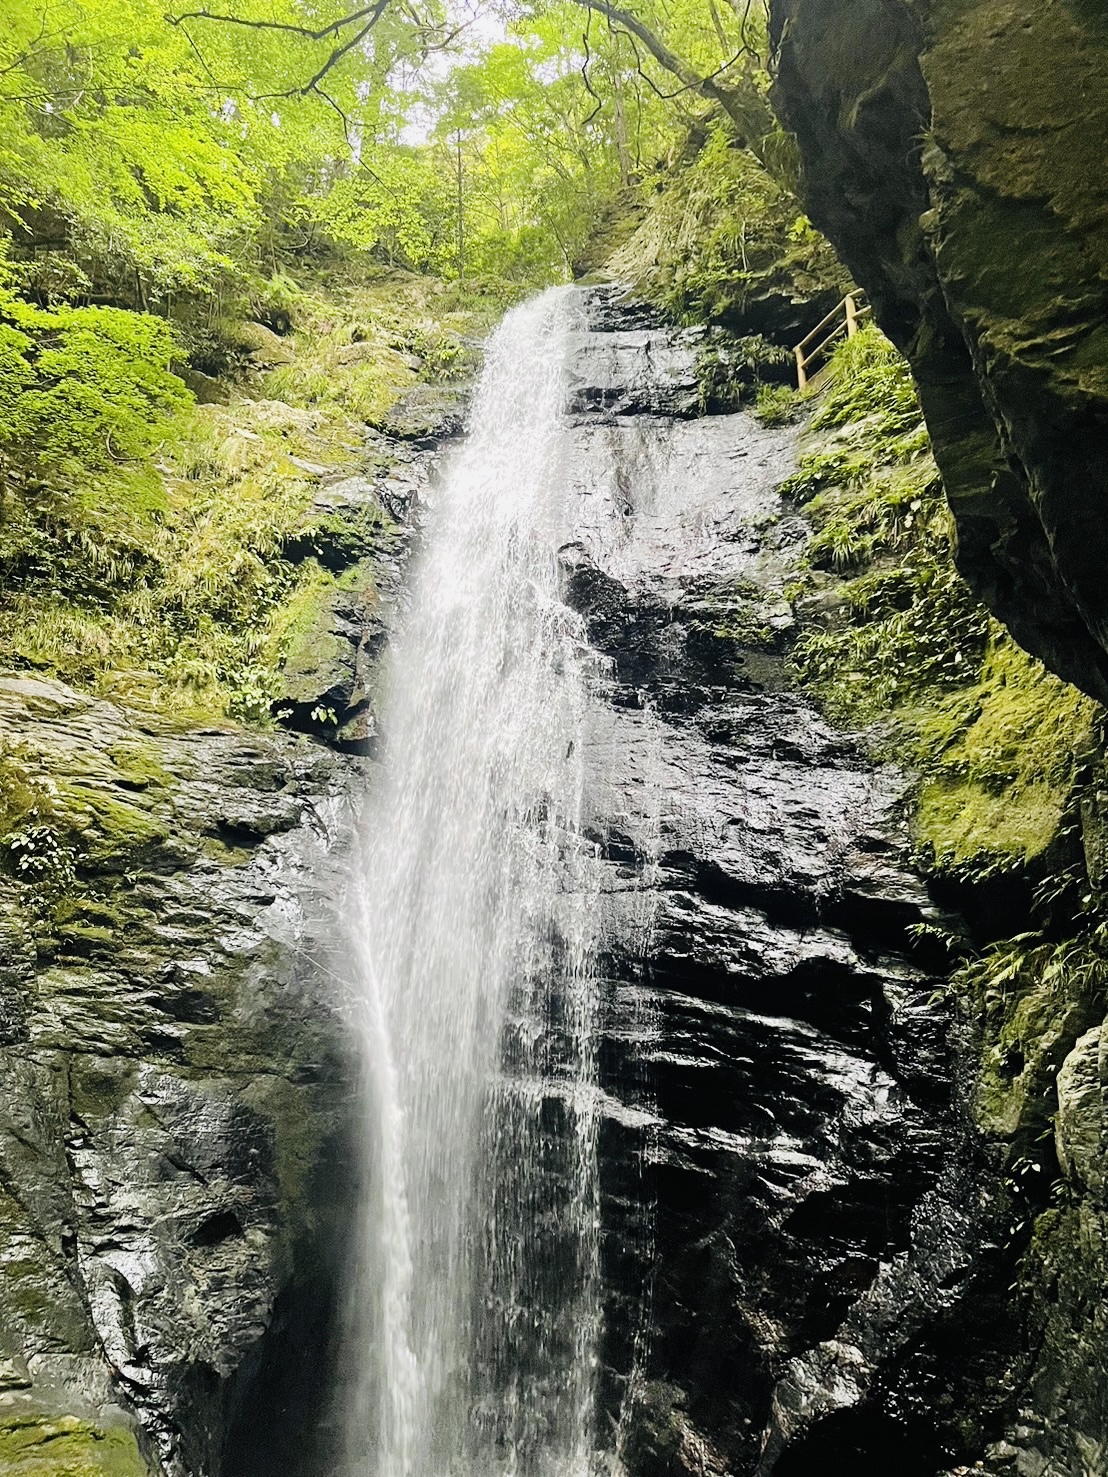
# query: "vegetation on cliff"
294, 217
904, 643
1007, 806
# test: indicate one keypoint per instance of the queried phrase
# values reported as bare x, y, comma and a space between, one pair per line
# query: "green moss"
163, 581
1033, 999
110, 832
777, 405
140, 766
993, 734
963, 823
22, 791
64, 1446
1005, 750
99, 1086
729, 371
746, 628
296, 1133
719, 233
342, 539
88, 911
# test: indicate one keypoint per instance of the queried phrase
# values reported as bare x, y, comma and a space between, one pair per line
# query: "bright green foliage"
90, 385
168, 185
529, 159
142, 159
1033, 997
401, 207
1003, 752
876, 501
777, 405
168, 583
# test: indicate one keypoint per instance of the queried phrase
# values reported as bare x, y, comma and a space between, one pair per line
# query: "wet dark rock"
361, 532
629, 361
642, 371
176, 1170
776, 1160
174, 1075
328, 677
806, 1248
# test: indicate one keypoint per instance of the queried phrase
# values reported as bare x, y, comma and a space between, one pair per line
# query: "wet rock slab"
174, 1074
774, 1059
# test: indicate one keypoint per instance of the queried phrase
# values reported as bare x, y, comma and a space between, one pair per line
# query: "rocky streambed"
802, 1238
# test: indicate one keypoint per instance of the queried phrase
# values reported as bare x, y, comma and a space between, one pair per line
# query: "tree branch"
585, 70
371, 14
746, 108
259, 25
375, 14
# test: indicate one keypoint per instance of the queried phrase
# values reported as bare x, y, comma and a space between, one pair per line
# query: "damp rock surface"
952, 151
796, 1207
803, 1244
173, 1082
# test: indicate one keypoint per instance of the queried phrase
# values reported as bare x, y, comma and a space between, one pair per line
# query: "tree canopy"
145, 155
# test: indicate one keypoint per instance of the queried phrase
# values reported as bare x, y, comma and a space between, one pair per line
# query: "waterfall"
477, 1291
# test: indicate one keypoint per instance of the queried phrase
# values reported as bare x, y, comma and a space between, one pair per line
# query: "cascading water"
477, 1293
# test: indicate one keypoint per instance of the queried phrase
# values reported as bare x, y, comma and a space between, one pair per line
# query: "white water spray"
477, 1295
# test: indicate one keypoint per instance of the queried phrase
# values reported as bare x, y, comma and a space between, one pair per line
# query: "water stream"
477, 1296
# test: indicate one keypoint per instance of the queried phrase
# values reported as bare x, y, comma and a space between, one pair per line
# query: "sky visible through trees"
146, 154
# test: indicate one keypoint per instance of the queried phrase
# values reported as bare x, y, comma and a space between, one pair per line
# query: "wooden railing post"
801, 370
851, 315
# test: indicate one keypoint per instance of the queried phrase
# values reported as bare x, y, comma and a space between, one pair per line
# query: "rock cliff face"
176, 1165
952, 151
807, 1246
173, 1090
800, 1223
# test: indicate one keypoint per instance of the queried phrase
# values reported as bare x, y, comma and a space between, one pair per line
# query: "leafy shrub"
90, 385
718, 229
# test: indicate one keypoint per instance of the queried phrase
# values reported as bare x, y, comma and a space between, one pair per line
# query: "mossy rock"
1032, 1022
99, 1086
964, 823
111, 831
140, 766
64, 1446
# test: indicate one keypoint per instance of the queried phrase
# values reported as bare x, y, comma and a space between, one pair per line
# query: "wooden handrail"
835, 312
849, 312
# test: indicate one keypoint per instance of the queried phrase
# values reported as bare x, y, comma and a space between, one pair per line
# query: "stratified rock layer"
953, 151
796, 1212
173, 1083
